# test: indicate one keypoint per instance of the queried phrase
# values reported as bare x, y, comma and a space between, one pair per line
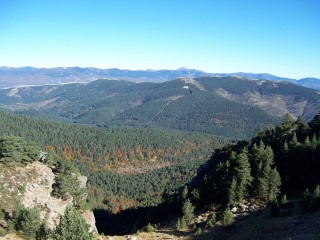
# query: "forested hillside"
168, 170
225, 106
276, 164
128, 160
278, 160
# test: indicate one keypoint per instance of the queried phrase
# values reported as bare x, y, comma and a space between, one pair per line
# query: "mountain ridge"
12, 77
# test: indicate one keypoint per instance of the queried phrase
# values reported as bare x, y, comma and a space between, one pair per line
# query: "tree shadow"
131, 220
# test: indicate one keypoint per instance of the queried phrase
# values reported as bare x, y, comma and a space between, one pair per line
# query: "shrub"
211, 220
227, 217
149, 228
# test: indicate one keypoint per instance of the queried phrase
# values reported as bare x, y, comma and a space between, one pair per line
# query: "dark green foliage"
71, 227
26, 221
274, 183
227, 218
43, 233
17, 150
195, 196
242, 176
164, 105
99, 148
315, 124
181, 223
143, 189
184, 193
310, 201
67, 183
212, 219
281, 157
232, 192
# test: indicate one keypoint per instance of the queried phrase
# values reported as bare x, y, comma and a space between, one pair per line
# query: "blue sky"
281, 37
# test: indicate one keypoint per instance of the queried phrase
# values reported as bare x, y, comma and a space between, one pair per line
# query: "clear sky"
280, 37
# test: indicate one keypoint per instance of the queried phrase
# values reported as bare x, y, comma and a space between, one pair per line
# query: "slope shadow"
131, 220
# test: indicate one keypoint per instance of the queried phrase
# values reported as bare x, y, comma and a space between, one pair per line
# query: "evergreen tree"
67, 183
43, 233
302, 128
227, 217
242, 175
315, 124
72, 226
184, 193
274, 184
16, 150
232, 194
181, 223
267, 180
26, 221
188, 211
211, 220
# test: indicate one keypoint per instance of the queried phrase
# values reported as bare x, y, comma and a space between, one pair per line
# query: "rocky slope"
32, 186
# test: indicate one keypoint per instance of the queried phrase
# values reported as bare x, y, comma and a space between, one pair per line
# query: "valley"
148, 149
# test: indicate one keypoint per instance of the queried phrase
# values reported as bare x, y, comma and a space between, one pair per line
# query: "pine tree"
227, 217
43, 233
188, 211
72, 226
181, 223
274, 184
211, 220
267, 180
315, 124
232, 194
242, 175
26, 220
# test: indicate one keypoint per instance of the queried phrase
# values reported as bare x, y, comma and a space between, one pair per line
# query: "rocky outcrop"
32, 186
38, 193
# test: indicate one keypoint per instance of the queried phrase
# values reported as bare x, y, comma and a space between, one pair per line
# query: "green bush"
227, 217
149, 228
211, 220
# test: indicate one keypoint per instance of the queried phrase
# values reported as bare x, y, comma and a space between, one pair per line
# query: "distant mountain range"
11, 77
224, 106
